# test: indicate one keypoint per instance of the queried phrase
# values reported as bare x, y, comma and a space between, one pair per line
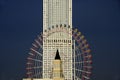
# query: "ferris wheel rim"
75, 34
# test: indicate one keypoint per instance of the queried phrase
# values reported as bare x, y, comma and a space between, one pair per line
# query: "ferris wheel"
82, 58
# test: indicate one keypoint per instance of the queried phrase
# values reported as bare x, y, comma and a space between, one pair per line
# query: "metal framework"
81, 56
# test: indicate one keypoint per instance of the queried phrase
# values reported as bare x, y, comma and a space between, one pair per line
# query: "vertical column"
70, 13
45, 14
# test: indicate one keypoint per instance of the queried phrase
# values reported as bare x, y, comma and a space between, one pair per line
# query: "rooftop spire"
57, 55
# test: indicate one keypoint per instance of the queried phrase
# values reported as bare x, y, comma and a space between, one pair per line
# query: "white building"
57, 13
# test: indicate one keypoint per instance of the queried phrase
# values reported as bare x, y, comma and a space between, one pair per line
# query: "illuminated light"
84, 41
90, 56
86, 46
88, 51
29, 63
82, 37
79, 33
75, 30
28, 68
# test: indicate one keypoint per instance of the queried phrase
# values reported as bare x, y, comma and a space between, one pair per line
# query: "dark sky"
98, 20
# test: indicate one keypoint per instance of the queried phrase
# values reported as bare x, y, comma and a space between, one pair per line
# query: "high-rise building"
73, 61
57, 13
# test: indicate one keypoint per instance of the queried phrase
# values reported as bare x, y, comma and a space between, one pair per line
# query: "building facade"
57, 13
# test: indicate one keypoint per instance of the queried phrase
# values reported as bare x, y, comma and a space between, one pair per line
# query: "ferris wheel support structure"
82, 58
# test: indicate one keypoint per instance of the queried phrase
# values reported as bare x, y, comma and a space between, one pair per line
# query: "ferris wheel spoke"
77, 69
29, 63
39, 37
34, 45
77, 78
82, 62
76, 48
28, 68
89, 67
37, 67
29, 73
78, 55
31, 54
36, 51
38, 43
41, 47
35, 59
82, 71
78, 62
86, 77
90, 61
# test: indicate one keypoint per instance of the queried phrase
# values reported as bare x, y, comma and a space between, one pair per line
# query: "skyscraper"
57, 13
73, 61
